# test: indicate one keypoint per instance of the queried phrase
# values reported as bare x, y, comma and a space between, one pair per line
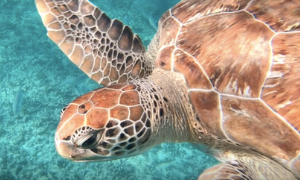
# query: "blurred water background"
37, 81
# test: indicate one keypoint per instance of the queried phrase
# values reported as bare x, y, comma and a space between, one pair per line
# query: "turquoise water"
35, 71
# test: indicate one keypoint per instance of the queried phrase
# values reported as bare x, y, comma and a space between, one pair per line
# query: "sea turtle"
222, 74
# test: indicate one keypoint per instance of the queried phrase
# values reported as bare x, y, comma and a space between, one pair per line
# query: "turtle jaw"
64, 148
68, 150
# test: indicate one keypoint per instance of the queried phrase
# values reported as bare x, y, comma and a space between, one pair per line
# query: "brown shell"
241, 62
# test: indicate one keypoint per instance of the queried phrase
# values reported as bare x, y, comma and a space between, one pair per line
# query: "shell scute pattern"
207, 103
283, 82
195, 77
190, 10
280, 18
239, 69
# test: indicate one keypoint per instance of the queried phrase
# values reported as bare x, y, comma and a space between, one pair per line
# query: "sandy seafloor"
29, 60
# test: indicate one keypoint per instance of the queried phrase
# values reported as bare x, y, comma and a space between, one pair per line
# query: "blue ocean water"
30, 62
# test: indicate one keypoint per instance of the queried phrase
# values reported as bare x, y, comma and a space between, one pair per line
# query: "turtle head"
105, 124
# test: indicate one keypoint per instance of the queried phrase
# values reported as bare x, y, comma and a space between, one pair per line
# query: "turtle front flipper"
247, 168
106, 50
224, 171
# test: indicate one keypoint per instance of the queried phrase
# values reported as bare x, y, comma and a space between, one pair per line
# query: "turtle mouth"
70, 151
67, 150
86, 155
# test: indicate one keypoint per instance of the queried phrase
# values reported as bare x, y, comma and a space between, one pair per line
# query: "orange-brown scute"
68, 128
83, 98
280, 15
67, 114
250, 122
130, 98
129, 87
97, 118
184, 11
207, 107
119, 112
136, 113
168, 31
282, 86
194, 76
117, 86
105, 98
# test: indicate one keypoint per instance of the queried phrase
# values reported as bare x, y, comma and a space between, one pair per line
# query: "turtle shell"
241, 62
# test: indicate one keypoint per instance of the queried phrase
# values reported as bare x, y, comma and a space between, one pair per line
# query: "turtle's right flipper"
106, 50
247, 169
224, 171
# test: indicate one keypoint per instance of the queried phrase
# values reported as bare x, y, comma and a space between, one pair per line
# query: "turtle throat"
165, 100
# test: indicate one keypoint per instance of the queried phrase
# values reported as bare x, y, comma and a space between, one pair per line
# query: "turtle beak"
68, 150
64, 148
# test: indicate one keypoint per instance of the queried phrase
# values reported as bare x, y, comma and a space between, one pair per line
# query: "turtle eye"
90, 141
